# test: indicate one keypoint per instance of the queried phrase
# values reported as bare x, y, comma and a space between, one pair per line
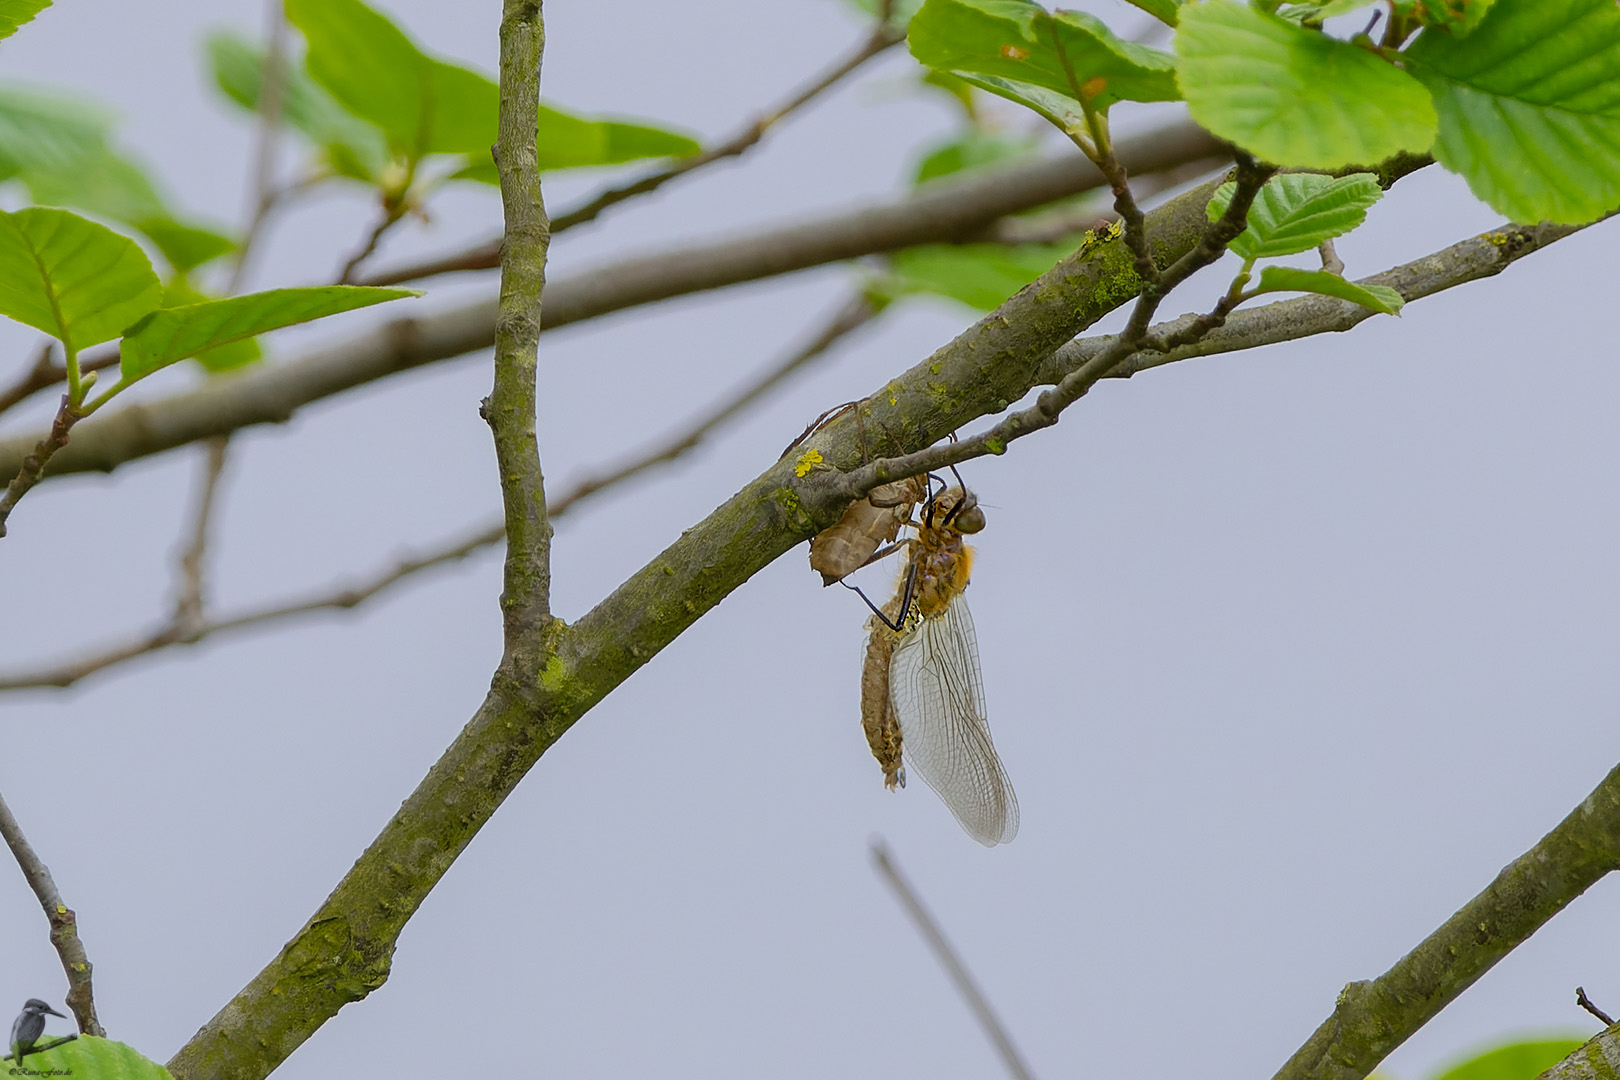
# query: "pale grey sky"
1287, 653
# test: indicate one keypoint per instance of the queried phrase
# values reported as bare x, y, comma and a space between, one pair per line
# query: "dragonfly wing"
939, 701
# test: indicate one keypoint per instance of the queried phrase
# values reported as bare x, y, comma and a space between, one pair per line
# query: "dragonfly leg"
905, 603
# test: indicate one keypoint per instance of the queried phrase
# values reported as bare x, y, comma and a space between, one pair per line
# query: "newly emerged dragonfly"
922, 696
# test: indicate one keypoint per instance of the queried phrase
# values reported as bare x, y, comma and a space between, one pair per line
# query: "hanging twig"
188, 605
263, 195
64, 925
946, 955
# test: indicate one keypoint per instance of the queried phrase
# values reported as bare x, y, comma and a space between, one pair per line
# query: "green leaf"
45, 131
76, 280
13, 13
184, 246
974, 150
228, 357
573, 142
1530, 107
104, 182
1164, 10
353, 147
172, 334
1457, 16
372, 67
1295, 96
1063, 112
982, 276
1070, 53
1295, 212
90, 1057
1515, 1061
1380, 298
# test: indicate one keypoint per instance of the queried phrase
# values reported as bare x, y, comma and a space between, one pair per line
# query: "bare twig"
262, 196
852, 316
178, 631
394, 210
1586, 1003
337, 599
64, 925
880, 39
188, 605
929, 928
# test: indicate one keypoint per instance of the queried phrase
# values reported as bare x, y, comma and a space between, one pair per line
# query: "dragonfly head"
956, 508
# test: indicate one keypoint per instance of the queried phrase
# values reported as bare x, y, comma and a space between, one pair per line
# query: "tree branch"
1473, 259
1372, 1018
64, 924
950, 210
273, 393
946, 955
853, 315
510, 407
1599, 1059
345, 950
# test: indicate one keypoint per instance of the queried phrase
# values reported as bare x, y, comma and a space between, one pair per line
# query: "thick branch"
1373, 1018
1599, 1059
64, 924
273, 393
510, 407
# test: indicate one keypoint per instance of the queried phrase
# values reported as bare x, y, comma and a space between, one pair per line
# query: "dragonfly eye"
970, 519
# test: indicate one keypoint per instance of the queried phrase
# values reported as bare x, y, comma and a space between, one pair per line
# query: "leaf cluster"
1519, 97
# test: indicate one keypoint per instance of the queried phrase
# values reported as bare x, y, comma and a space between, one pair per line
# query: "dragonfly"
922, 694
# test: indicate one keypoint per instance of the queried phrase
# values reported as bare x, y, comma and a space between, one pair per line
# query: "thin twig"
34, 464
1586, 1003
857, 312
177, 631
930, 930
1051, 403
262, 196
64, 925
882, 38
188, 605
393, 212
1330, 258
340, 598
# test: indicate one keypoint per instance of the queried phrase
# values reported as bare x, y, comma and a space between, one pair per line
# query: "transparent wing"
939, 700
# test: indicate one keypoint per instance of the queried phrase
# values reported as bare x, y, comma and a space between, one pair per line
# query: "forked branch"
64, 924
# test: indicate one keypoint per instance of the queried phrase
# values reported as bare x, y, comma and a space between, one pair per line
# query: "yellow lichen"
807, 461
